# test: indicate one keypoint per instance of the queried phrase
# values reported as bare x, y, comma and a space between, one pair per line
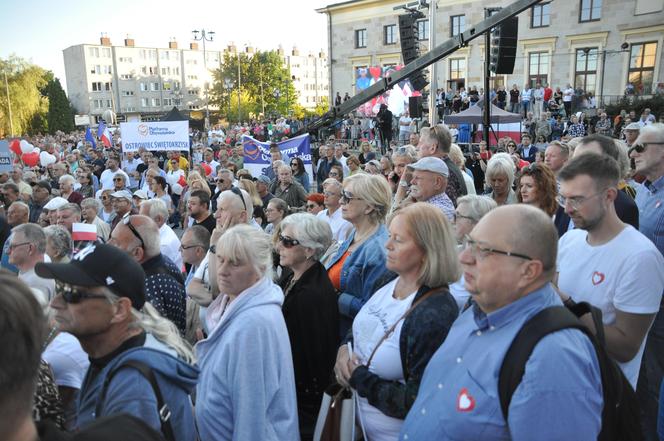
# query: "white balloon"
26, 147
45, 158
36, 150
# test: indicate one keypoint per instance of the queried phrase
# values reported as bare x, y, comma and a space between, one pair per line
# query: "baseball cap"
633, 126
122, 194
141, 194
56, 203
43, 184
100, 265
264, 179
431, 164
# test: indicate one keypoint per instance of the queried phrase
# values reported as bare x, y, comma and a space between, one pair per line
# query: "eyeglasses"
288, 242
347, 197
311, 206
576, 202
461, 216
126, 220
15, 245
329, 193
237, 191
187, 247
480, 253
73, 295
333, 174
642, 146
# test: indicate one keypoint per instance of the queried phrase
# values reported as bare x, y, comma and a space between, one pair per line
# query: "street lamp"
277, 94
177, 96
228, 85
205, 36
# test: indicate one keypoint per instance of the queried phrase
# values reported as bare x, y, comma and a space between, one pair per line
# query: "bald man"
508, 276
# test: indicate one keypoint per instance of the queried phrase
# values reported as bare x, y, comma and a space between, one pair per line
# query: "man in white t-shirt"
606, 262
404, 126
106, 179
332, 214
568, 94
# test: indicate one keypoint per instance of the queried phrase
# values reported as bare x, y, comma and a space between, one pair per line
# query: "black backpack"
620, 413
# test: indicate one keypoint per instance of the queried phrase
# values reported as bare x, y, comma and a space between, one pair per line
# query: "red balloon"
15, 146
30, 159
375, 72
207, 168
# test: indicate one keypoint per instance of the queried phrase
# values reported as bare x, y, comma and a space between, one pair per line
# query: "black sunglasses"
237, 191
73, 295
126, 220
641, 147
288, 242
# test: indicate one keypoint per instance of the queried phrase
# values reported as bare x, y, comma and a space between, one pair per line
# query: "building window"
109, 104
540, 15
585, 71
423, 30
166, 86
168, 102
390, 34
591, 10
93, 51
538, 71
164, 55
106, 52
144, 102
96, 86
127, 93
360, 38
156, 102
126, 76
457, 71
642, 66
457, 25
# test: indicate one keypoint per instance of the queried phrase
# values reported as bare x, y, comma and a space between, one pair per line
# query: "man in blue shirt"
648, 154
508, 276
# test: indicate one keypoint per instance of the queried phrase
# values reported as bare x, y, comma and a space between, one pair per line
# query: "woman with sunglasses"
538, 187
107, 213
299, 173
336, 172
310, 310
315, 203
358, 269
404, 322
86, 185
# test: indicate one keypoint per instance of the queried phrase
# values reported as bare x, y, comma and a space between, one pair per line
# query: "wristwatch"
213, 249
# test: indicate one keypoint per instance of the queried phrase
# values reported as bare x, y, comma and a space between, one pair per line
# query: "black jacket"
422, 333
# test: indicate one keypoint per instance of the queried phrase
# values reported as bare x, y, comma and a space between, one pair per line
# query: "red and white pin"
465, 401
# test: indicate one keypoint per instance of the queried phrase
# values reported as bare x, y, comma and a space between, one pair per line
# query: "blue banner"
257, 154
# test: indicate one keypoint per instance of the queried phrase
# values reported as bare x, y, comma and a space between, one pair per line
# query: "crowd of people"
176, 295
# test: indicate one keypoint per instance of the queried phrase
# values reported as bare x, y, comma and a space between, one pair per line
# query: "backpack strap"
545, 322
162, 408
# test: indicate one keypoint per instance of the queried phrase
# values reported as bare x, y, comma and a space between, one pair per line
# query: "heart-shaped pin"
597, 278
465, 401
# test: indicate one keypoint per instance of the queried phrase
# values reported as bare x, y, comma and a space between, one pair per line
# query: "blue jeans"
525, 105
650, 377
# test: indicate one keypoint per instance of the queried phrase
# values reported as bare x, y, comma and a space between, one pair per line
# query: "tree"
25, 81
60, 111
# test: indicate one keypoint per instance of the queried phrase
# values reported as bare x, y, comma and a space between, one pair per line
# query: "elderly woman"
470, 209
289, 190
315, 203
310, 310
246, 390
67, 189
358, 268
373, 167
107, 213
299, 172
276, 211
500, 177
401, 326
86, 188
59, 244
90, 215
538, 187
354, 165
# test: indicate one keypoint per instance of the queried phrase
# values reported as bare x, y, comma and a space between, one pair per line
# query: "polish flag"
82, 231
107, 138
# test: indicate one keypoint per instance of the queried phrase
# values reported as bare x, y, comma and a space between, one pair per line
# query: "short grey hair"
333, 182
60, 240
71, 207
501, 163
656, 129
311, 231
278, 163
149, 231
156, 208
478, 206
67, 179
34, 234
91, 203
244, 243
406, 151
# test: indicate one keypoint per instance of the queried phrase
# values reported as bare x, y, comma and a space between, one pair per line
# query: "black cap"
44, 184
101, 265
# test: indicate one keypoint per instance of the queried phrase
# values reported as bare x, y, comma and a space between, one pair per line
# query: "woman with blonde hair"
250, 187
404, 322
500, 177
358, 269
366, 153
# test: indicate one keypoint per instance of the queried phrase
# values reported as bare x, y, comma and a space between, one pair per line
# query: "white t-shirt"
44, 289
370, 325
340, 226
169, 245
625, 274
67, 359
567, 95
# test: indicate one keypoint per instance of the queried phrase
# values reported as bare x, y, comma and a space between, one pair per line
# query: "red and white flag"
81, 231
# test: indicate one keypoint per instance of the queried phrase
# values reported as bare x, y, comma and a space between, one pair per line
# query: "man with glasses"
224, 181
138, 366
606, 262
194, 246
41, 192
428, 184
508, 276
122, 202
648, 155
164, 283
27, 247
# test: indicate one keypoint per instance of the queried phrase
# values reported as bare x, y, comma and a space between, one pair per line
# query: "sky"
39, 30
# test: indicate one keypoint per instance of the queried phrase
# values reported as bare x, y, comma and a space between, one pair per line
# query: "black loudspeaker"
410, 47
503, 46
415, 106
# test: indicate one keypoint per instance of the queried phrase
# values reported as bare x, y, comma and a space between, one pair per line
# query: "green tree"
25, 82
60, 111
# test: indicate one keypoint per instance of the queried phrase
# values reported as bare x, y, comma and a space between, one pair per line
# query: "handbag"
336, 418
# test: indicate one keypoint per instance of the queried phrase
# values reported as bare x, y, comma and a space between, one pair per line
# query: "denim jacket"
363, 273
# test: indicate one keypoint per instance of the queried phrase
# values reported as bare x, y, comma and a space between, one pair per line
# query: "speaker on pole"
415, 106
503, 46
410, 48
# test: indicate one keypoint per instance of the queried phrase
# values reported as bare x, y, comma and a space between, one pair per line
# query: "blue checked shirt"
650, 200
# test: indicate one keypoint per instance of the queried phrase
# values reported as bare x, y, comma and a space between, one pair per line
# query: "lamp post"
239, 88
277, 95
205, 36
228, 85
177, 96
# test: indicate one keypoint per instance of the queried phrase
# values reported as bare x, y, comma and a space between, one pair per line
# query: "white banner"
82, 120
155, 135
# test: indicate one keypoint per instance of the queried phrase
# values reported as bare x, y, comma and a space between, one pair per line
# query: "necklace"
50, 337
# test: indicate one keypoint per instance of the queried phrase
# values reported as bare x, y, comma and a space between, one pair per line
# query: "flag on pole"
107, 138
101, 128
82, 231
90, 138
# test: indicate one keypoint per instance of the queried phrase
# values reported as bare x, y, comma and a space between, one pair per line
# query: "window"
591, 10
125, 60
457, 68
93, 51
109, 104
176, 71
165, 70
154, 87
106, 52
192, 61
143, 87
165, 55
155, 102
540, 15
423, 30
585, 71
96, 86
538, 71
360, 38
168, 102
192, 92
642, 66
126, 76
144, 102
458, 24
390, 34
127, 93
192, 77
107, 69
176, 85
107, 86
144, 70
96, 69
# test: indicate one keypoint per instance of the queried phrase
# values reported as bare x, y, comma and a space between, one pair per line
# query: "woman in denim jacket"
358, 268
